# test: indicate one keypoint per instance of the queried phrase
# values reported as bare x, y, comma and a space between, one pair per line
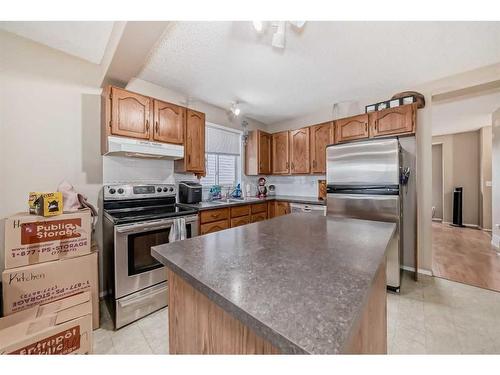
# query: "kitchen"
212, 205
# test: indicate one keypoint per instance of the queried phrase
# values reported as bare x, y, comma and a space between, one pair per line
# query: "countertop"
282, 198
299, 281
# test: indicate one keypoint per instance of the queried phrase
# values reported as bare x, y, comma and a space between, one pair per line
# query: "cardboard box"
33, 239
62, 327
29, 286
46, 204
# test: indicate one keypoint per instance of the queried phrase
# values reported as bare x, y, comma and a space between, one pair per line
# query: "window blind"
221, 141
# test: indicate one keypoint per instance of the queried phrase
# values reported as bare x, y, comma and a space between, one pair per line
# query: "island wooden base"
199, 326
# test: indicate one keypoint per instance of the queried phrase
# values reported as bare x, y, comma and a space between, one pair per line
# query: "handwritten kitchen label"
44, 231
64, 342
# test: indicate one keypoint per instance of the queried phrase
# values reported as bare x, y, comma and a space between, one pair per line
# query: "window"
222, 157
221, 169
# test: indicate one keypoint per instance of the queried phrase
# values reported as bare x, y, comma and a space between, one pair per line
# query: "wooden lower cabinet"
261, 216
281, 208
214, 215
259, 207
214, 226
239, 211
238, 221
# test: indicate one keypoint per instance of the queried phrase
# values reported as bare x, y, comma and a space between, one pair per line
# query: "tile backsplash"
120, 169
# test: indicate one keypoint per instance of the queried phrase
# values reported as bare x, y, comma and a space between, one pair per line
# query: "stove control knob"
165, 189
121, 191
158, 189
171, 189
112, 191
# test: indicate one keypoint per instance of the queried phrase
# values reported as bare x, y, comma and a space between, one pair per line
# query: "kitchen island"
293, 284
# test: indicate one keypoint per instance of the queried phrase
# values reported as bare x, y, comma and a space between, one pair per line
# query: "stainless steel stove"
137, 217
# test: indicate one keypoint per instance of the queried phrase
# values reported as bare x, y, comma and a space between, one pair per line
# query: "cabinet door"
351, 128
130, 114
280, 155
214, 227
321, 136
236, 222
264, 153
392, 121
282, 208
299, 151
194, 147
169, 122
258, 217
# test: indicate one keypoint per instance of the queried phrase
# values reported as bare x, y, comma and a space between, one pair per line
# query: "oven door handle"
137, 228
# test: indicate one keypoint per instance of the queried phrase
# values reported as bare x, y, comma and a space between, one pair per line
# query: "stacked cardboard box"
48, 259
61, 327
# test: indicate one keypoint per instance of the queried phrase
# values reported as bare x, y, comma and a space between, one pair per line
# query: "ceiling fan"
278, 40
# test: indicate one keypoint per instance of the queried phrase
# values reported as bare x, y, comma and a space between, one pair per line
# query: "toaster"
189, 192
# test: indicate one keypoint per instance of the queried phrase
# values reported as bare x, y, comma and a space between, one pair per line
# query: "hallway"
465, 255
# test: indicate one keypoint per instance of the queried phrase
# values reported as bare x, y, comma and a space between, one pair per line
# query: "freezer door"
364, 206
372, 163
378, 208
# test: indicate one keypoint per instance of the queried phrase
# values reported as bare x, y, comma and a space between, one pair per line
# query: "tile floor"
433, 316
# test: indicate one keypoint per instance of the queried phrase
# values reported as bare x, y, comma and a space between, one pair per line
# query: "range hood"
120, 146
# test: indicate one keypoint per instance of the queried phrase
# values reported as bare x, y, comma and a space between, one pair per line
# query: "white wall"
496, 177
50, 124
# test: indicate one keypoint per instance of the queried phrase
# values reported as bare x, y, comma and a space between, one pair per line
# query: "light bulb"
258, 26
237, 111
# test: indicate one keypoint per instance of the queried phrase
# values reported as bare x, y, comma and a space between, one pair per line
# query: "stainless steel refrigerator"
369, 180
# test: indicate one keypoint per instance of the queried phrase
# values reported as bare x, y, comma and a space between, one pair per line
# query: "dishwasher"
315, 209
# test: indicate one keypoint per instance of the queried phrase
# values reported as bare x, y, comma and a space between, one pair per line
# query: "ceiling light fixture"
258, 26
235, 109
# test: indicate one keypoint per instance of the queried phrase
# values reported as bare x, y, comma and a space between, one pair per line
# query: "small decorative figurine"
262, 189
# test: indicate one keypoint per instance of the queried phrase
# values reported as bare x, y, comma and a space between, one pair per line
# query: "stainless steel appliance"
314, 209
367, 180
137, 217
190, 192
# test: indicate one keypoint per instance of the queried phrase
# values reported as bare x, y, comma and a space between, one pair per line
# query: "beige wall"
437, 180
461, 165
50, 125
496, 177
485, 143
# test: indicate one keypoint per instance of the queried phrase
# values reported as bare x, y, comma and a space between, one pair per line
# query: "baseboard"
475, 226
495, 241
437, 220
420, 270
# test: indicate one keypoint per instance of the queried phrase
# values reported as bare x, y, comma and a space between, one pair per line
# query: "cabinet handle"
189, 158
366, 127
215, 215
156, 127
147, 125
293, 166
376, 125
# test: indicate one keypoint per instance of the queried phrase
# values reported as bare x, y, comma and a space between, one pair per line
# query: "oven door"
135, 268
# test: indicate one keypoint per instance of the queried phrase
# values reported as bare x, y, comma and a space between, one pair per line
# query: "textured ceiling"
464, 114
84, 39
324, 63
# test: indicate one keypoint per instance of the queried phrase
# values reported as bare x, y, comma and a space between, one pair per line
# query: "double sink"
232, 200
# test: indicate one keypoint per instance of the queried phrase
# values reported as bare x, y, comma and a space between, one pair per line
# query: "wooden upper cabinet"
169, 122
280, 154
392, 121
351, 128
258, 153
321, 136
130, 114
299, 151
264, 153
194, 147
